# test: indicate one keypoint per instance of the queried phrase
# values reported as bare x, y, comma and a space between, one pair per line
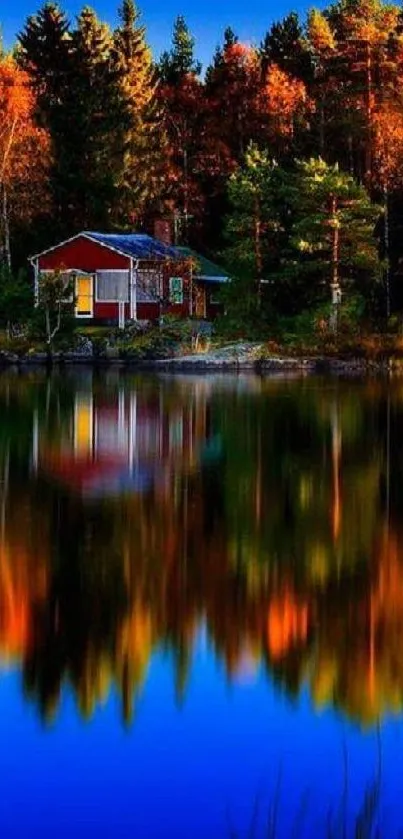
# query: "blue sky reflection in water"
97, 592
182, 772
176, 771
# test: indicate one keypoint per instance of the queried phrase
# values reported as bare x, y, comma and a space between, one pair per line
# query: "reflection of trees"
358, 663
282, 549
24, 567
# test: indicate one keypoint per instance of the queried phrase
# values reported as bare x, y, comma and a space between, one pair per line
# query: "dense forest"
283, 159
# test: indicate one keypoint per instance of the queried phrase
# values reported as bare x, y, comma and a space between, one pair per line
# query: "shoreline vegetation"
175, 348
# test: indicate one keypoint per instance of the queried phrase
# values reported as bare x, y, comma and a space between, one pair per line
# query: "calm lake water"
201, 606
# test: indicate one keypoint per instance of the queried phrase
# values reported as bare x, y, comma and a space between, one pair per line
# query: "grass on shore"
181, 337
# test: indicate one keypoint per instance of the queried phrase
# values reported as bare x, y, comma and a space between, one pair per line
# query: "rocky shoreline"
277, 364
242, 358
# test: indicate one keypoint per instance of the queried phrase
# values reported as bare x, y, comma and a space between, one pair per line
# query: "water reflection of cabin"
123, 441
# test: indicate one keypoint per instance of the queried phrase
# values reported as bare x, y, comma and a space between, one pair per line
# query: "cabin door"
200, 301
84, 296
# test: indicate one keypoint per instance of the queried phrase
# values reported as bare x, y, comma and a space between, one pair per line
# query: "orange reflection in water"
23, 586
287, 624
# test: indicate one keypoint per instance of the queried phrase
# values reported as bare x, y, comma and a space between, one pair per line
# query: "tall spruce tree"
143, 147
255, 233
44, 51
180, 60
98, 121
80, 102
286, 46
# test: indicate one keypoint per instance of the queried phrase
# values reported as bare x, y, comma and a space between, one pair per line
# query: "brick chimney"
163, 230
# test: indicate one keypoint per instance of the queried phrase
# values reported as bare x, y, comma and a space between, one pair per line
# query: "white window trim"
112, 271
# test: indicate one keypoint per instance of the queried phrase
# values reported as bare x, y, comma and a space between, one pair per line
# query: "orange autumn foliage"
182, 111
388, 145
24, 147
243, 59
286, 99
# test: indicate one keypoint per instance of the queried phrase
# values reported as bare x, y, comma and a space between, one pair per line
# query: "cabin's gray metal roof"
136, 245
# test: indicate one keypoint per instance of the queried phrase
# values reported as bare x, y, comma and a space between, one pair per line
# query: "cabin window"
113, 286
149, 281
176, 290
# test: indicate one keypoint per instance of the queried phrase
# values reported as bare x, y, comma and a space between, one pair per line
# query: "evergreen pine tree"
180, 60
143, 139
97, 123
255, 233
285, 46
44, 51
333, 242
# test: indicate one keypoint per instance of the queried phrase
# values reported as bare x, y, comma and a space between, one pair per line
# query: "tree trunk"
350, 155
258, 251
335, 283
368, 149
387, 250
240, 135
6, 229
185, 191
321, 128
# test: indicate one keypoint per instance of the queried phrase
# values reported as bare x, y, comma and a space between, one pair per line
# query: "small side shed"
208, 279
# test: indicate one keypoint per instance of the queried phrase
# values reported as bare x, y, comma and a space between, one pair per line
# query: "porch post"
133, 289
36, 282
121, 306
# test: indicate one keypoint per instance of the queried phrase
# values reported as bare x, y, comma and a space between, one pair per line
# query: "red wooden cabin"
120, 277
